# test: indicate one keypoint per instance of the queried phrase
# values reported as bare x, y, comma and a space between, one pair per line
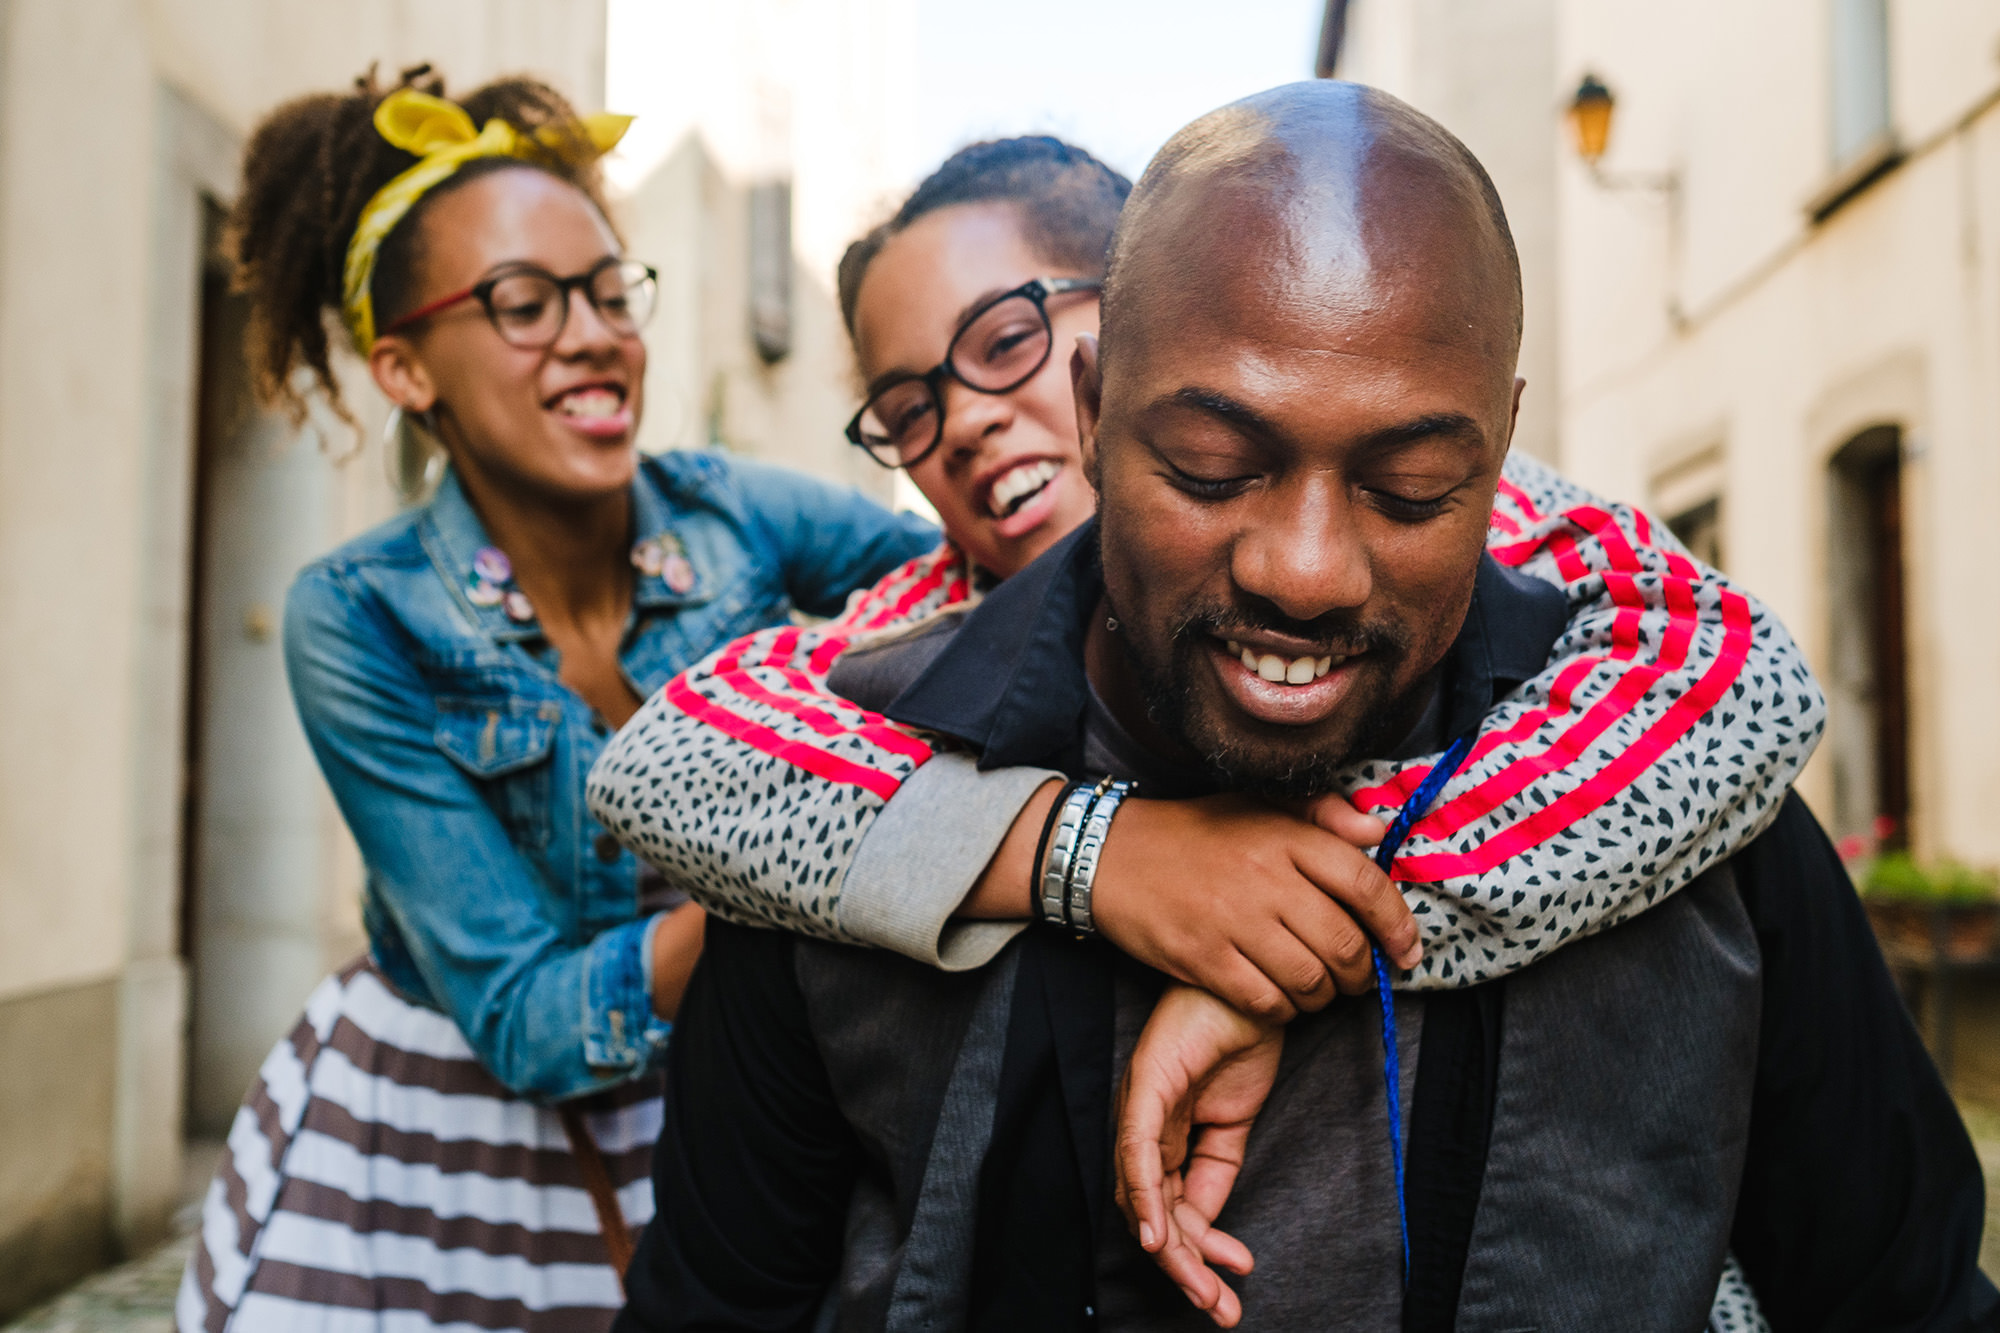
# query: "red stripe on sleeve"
822, 657
783, 646
916, 592
1398, 789
873, 727
1618, 701
1615, 777
1520, 497
761, 738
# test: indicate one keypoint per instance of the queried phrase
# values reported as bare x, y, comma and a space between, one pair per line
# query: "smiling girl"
457, 1132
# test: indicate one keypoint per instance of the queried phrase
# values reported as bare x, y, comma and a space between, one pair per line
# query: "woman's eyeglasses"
998, 348
529, 306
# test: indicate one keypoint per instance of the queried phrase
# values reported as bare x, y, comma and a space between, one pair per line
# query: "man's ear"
399, 372
1087, 387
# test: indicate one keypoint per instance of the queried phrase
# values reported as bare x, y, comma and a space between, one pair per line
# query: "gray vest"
1625, 1075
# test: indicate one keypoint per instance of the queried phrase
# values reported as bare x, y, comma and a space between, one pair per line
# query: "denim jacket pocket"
505, 745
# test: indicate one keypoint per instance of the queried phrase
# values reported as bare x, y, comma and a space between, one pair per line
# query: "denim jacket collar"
1011, 681
453, 536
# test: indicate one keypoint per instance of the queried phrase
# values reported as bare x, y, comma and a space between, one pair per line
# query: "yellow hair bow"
442, 135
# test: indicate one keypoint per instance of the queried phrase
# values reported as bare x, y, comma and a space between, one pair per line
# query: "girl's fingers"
1337, 815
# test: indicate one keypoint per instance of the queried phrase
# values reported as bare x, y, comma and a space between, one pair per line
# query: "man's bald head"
1347, 196
1297, 425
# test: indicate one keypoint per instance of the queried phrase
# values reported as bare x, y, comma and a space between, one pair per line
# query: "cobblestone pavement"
138, 1297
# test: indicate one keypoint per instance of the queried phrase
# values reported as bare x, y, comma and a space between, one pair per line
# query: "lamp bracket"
1653, 182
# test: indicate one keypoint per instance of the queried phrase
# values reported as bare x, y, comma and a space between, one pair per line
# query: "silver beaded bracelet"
1096, 826
1062, 851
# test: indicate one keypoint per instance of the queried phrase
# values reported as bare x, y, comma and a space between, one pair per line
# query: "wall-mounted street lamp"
1589, 117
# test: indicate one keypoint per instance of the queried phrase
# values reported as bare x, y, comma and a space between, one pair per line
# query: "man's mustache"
1338, 633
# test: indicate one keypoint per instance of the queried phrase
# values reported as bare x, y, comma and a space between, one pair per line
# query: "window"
771, 270
1700, 530
1867, 680
1859, 79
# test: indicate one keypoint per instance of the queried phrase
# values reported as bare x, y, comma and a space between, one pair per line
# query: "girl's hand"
676, 949
1269, 911
1200, 1073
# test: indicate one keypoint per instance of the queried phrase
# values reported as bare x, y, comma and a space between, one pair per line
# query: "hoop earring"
411, 455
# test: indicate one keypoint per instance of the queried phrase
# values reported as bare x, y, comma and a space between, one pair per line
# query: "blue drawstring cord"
1392, 1062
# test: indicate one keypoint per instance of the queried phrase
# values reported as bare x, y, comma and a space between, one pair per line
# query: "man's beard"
1238, 755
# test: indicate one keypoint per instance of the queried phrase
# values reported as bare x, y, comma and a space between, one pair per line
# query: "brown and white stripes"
378, 1180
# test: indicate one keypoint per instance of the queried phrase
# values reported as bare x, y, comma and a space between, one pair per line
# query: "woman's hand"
676, 949
1269, 911
1199, 1066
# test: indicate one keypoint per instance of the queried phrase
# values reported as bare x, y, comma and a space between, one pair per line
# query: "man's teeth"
1280, 670
1017, 484
590, 403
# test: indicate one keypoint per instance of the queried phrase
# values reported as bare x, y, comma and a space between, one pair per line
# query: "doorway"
254, 852
1868, 694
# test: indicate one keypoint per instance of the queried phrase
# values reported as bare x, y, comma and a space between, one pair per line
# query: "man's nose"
1302, 551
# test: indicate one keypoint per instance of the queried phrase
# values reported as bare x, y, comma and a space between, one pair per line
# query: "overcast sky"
1115, 76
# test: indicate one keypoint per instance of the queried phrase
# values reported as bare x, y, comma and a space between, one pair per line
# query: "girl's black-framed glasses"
998, 348
528, 306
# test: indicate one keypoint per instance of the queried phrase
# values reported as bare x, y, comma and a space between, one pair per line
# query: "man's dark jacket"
1861, 1200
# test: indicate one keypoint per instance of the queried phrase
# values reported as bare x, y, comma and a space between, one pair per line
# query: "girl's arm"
1674, 704
752, 785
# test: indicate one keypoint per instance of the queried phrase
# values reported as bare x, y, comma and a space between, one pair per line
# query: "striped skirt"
378, 1180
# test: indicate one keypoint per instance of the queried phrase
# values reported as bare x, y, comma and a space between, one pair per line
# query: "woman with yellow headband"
458, 1131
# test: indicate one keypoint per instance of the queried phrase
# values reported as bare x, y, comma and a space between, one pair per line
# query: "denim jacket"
458, 758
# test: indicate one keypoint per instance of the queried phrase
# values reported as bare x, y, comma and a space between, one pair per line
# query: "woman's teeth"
1018, 485
1281, 670
590, 403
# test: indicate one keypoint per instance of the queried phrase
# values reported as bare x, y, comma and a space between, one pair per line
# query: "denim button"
608, 849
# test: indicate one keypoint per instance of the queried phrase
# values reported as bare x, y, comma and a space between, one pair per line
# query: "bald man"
1296, 424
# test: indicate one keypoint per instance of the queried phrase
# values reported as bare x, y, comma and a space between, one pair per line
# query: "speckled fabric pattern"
1735, 1309
1672, 718
1662, 734
749, 783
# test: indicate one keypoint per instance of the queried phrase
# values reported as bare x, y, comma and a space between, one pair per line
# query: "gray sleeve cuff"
919, 859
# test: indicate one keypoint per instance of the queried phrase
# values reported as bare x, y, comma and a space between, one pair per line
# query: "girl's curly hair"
309, 169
